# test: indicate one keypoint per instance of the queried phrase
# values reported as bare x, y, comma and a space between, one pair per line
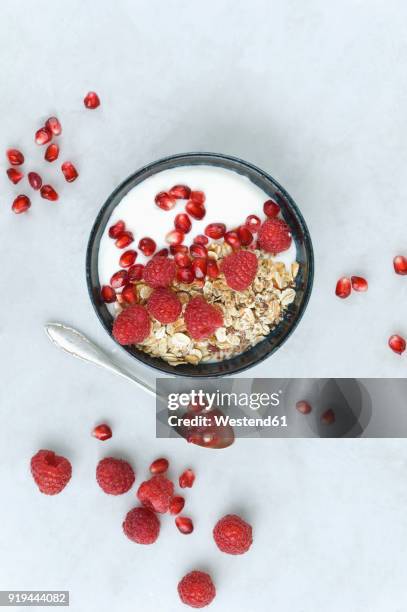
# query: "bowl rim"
222, 157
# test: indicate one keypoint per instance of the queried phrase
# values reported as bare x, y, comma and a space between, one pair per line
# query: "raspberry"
50, 472
196, 589
239, 269
159, 272
164, 305
132, 325
141, 525
202, 319
156, 493
233, 535
114, 476
274, 236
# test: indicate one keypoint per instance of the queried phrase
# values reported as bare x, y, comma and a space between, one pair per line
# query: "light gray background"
313, 92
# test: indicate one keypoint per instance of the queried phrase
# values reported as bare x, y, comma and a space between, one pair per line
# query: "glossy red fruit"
400, 265
165, 201
215, 230
52, 152
15, 157
127, 258
198, 250
184, 524
199, 266
343, 287
124, 239
147, 246
397, 344
21, 204
182, 260
195, 210
187, 479
116, 229
162, 253
43, 136
198, 197
118, 279
159, 466
303, 407
176, 504
233, 239
180, 192
271, 208
178, 248
14, 175
201, 239
328, 417
54, 126
128, 294
49, 193
135, 273
245, 235
212, 268
102, 432
359, 283
91, 100
108, 294
69, 171
183, 223
35, 180
174, 237
185, 275
253, 223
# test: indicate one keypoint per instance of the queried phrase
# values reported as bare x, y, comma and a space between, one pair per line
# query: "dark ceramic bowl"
290, 213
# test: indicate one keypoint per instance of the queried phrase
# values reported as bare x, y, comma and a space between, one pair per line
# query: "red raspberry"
159, 272
164, 305
274, 236
202, 319
156, 493
233, 535
239, 269
50, 472
196, 589
132, 325
141, 525
114, 476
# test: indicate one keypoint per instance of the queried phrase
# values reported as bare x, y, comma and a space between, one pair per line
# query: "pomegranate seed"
15, 157
343, 287
135, 273
245, 236
162, 253
359, 283
43, 136
303, 407
397, 344
174, 237
187, 479
197, 211
232, 238
180, 192
54, 126
185, 275
271, 208
201, 239
49, 193
199, 266
91, 100
165, 201
159, 466
118, 279
178, 248
212, 269
183, 223
116, 229
124, 239
328, 417
198, 250
128, 294
52, 152
35, 180
14, 175
176, 504
102, 432
21, 204
400, 265
198, 197
108, 294
127, 259
253, 223
182, 260
69, 171
147, 246
215, 230
184, 524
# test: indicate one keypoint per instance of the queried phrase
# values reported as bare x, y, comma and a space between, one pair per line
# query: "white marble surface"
313, 92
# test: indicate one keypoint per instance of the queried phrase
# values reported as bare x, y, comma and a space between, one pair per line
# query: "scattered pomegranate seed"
128, 294
245, 236
271, 208
359, 283
397, 344
43, 136
52, 152
127, 259
54, 126
49, 193
177, 503
162, 253
135, 273
253, 223
124, 239
21, 204
147, 246
165, 201
159, 466
197, 211
303, 407
118, 279
187, 479
108, 294
183, 223
184, 524
91, 100
178, 248
69, 171
14, 175
116, 229
15, 157
182, 260
185, 275
35, 180
201, 239
232, 238
199, 266
180, 192
400, 265
328, 417
215, 230
198, 250
102, 432
212, 269
174, 237
343, 287
198, 197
